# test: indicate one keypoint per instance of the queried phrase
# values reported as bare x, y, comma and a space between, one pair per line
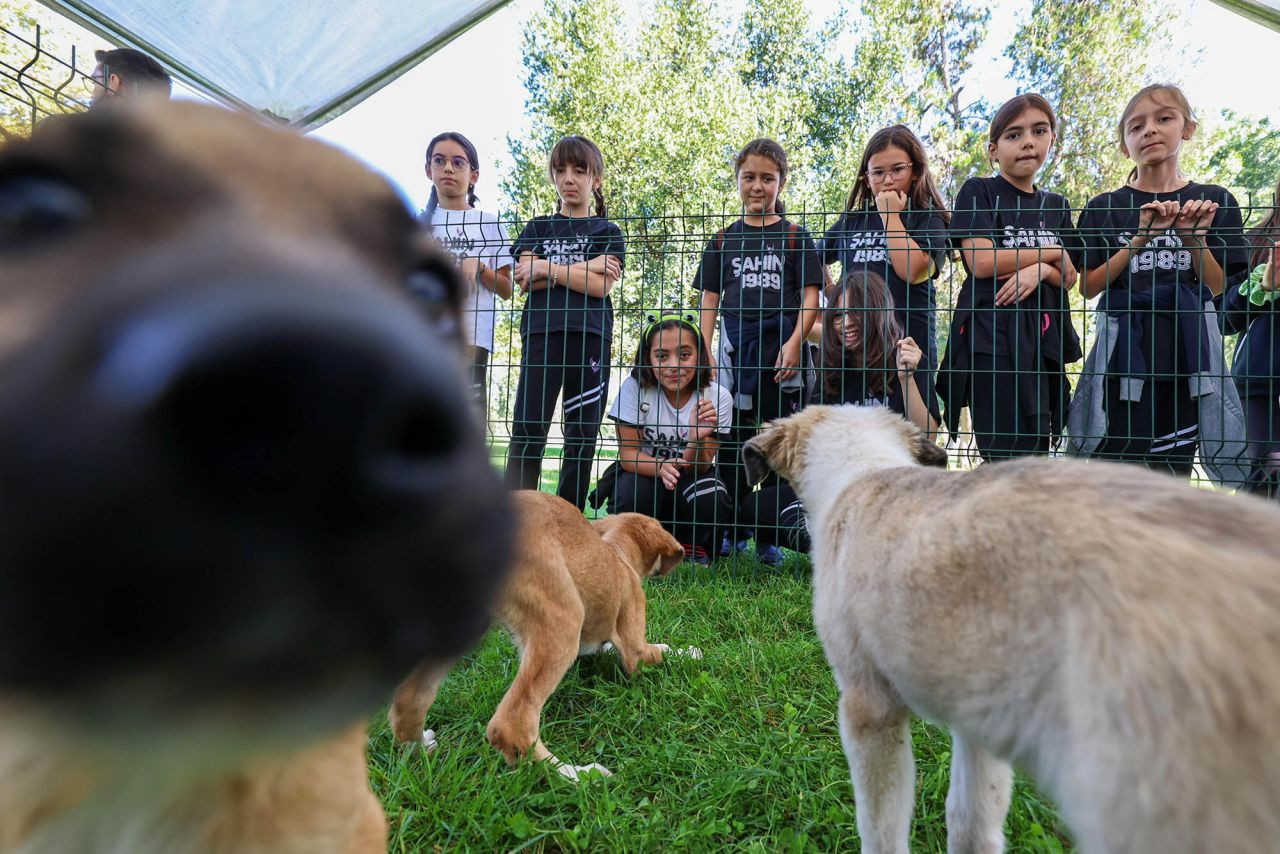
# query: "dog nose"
300, 393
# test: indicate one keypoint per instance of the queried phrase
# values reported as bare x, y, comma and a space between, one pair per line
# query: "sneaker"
769, 555
697, 555
728, 547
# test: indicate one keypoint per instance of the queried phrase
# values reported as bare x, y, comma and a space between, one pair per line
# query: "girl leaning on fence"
895, 225
670, 418
1253, 309
1011, 333
476, 240
866, 361
566, 264
1157, 251
759, 279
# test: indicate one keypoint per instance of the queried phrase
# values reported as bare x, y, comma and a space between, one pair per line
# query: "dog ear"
769, 450
926, 450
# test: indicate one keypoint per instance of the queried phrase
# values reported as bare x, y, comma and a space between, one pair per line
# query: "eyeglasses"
897, 171
460, 164
92, 83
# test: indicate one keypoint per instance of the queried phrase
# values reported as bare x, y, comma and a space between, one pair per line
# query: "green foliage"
670, 93
737, 752
1244, 156
1088, 59
36, 78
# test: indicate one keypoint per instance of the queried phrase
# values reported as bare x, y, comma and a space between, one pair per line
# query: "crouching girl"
866, 361
670, 418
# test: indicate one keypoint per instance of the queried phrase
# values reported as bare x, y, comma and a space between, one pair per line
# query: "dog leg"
629, 637
412, 700
875, 730
977, 800
514, 727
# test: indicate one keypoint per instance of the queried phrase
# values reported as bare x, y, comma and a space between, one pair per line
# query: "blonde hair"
1166, 94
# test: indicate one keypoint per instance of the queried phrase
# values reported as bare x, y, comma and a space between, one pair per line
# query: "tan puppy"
1113, 631
227, 439
575, 587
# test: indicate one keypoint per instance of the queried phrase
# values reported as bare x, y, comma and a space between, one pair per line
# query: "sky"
475, 85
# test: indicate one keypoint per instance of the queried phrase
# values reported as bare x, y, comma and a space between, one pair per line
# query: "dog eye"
432, 292
38, 208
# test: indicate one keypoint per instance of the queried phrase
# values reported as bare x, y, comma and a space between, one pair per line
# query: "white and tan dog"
574, 588
1113, 631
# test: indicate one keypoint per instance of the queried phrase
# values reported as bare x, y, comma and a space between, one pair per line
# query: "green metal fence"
1011, 361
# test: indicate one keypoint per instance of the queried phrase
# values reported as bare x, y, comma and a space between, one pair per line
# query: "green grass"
738, 751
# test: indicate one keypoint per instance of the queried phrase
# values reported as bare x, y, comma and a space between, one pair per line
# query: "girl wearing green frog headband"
670, 418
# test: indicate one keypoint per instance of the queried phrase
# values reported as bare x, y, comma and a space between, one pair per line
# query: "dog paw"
428, 741
579, 772
686, 651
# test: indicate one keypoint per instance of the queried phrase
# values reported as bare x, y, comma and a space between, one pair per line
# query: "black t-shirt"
1108, 223
854, 388
759, 271
858, 241
994, 209
567, 240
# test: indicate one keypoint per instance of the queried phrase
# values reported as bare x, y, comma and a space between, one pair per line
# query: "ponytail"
599, 196
430, 212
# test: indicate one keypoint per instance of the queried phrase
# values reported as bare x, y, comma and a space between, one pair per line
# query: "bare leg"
978, 799
875, 731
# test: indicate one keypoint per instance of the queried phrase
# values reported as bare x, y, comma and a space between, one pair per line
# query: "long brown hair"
1172, 97
770, 150
1263, 236
870, 305
923, 194
581, 152
643, 370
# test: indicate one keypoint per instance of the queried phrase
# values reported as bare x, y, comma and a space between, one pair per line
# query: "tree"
670, 98
1087, 59
37, 74
1243, 154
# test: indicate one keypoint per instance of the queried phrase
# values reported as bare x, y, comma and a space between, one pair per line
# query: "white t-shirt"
475, 234
664, 430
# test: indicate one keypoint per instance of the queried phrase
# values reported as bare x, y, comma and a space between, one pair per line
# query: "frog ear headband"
654, 319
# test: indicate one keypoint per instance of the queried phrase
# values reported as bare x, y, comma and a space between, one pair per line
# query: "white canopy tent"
1265, 12
305, 63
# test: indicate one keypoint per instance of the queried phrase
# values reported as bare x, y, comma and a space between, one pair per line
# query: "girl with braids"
895, 225
1251, 308
759, 279
866, 361
1011, 334
566, 265
476, 240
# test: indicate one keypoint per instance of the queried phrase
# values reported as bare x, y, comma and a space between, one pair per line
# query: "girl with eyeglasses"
1011, 334
476, 240
670, 418
895, 225
866, 361
566, 264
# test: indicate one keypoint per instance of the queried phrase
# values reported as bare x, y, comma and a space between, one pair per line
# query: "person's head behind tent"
124, 73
